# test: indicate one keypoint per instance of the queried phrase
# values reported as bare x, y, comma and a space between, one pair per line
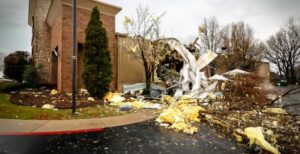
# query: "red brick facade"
58, 69
41, 35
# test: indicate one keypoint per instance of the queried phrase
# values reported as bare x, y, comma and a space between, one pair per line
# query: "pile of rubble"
260, 127
235, 103
245, 92
279, 128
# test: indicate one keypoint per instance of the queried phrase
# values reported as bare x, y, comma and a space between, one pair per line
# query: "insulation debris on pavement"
234, 103
180, 115
116, 99
256, 136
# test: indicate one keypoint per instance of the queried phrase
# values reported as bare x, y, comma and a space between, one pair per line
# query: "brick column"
41, 39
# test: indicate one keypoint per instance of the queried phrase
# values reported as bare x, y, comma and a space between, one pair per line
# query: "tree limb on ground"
286, 93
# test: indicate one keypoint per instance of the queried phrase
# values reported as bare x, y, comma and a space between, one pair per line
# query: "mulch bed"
42, 96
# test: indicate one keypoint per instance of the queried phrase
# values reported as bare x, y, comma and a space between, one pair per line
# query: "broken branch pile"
245, 92
234, 103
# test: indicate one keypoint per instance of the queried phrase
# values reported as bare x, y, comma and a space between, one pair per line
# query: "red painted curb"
53, 132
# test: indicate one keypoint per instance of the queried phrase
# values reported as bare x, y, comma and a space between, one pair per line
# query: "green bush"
15, 63
97, 73
8, 86
31, 77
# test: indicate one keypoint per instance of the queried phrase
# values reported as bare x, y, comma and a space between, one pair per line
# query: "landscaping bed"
40, 97
9, 110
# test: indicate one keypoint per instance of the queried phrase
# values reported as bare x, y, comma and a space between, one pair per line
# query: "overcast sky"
15, 33
181, 19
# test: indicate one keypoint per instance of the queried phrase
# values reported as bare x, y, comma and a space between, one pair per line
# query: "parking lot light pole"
74, 59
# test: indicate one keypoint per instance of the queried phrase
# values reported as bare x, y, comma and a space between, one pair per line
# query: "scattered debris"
53, 92
136, 104
140, 86
271, 97
255, 135
83, 91
236, 72
116, 98
108, 96
48, 106
191, 80
91, 99
125, 108
180, 115
126, 102
231, 103
241, 94
217, 77
275, 110
41, 96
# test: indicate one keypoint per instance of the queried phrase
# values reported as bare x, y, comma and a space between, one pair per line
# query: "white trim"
101, 2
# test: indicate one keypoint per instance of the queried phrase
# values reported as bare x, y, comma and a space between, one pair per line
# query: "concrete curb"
14, 127
51, 133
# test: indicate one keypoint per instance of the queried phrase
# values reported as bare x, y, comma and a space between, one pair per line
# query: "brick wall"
41, 38
83, 17
56, 41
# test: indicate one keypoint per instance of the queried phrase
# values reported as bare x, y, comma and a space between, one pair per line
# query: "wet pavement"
291, 102
145, 137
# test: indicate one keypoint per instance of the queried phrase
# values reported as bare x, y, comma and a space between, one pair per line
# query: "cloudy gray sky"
15, 33
181, 19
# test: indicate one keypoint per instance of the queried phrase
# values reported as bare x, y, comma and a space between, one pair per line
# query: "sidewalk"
47, 127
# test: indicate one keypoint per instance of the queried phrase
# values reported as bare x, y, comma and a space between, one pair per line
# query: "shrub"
97, 73
8, 86
31, 76
15, 63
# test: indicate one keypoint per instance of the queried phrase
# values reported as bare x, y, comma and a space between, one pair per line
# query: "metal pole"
74, 59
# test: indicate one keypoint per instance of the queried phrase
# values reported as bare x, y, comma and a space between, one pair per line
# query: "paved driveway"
291, 102
145, 137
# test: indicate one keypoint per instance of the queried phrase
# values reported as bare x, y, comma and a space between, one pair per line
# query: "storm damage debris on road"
235, 103
131, 102
180, 115
239, 109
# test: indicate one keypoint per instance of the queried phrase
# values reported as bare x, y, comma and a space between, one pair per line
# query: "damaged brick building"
51, 22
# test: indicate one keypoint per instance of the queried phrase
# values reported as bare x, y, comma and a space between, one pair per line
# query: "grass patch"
12, 111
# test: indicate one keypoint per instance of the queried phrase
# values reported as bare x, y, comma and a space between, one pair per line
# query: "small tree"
144, 30
15, 63
97, 73
31, 76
